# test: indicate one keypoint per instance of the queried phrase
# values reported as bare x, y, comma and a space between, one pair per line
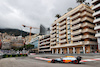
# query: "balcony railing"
53, 39
77, 38
76, 26
96, 20
89, 36
87, 13
62, 27
76, 32
97, 27
44, 43
52, 36
45, 40
75, 16
53, 31
94, 1
74, 11
45, 50
87, 9
89, 42
62, 41
63, 36
96, 6
87, 18
54, 24
54, 27
78, 43
97, 35
88, 30
61, 32
62, 23
96, 13
44, 46
52, 43
76, 21
88, 24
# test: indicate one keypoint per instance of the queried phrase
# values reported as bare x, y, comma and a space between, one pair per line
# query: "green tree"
58, 15
80, 1
69, 9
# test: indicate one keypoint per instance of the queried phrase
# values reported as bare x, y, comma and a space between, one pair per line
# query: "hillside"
16, 32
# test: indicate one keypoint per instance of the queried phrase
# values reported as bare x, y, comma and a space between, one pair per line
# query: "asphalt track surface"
30, 62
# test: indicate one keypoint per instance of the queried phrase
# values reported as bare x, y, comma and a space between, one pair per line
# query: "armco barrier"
14, 55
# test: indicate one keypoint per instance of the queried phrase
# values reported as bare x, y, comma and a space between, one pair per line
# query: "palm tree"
80, 1
69, 9
87, 3
58, 15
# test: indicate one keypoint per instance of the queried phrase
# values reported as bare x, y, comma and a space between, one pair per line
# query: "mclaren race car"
67, 59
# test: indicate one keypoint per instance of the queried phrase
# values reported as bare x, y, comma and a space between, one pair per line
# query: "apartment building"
35, 41
73, 33
44, 44
96, 14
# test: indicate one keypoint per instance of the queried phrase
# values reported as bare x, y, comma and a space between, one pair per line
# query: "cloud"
14, 13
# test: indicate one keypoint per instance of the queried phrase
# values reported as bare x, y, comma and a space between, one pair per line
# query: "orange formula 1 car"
67, 59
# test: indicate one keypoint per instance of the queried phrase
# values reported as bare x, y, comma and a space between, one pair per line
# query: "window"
69, 32
69, 42
57, 39
68, 18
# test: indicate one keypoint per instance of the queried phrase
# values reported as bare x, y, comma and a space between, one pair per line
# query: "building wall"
96, 14
44, 44
76, 33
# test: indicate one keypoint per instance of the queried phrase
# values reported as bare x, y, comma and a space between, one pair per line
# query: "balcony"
96, 13
71, 13
94, 1
77, 38
96, 20
45, 40
44, 46
63, 36
87, 9
63, 27
76, 32
88, 30
44, 43
75, 16
54, 24
76, 21
45, 50
62, 41
87, 13
54, 27
89, 42
76, 26
97, 35
87, 18
61, 32
52, 43
88, 24
53, 31
97, 27
62, 23
96, 6
53, 39
78, 43
89, 36
54, 35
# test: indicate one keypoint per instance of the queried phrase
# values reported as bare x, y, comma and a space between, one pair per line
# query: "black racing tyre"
75, 62
53, 61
